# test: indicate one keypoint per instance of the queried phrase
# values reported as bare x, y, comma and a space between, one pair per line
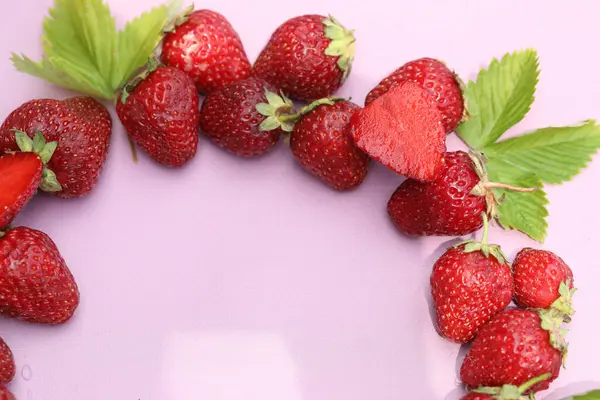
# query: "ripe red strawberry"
208, 49
323, 146
434, 76
514, 347
22, 173
505, 392
470, 283
7, 364
159, 110
5, 394
444, 206
403, 131
538, 276
35, 283
232, 118
308, 57
82, 128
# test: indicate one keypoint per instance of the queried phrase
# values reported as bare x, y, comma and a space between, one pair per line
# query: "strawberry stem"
529, 384
485, 229
494, 185
134, 154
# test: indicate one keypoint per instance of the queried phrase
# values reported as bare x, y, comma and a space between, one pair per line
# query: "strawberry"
505, 392
470, 283
35, 283
323, 146
159, 110
516, 346
403, 131
434, 76
308, 57
207, 48
234, 117
452, 204
541, 277
5, 394
7, 363
82, 128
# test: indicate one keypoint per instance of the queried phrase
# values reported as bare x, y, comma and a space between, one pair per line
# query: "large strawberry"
470, 283
504, 392
205, 46
322, 144
35, 283
541, 279
244, 118
308, 57
450, 205
82, 128
7, 363
159, 110
434, 76
516, 346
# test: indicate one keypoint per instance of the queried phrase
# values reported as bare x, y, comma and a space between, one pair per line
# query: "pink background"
240, 280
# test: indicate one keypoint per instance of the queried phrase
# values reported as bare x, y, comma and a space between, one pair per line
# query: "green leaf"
525, 212
500, 97
84, 52
555, 154
137, 41
591, 395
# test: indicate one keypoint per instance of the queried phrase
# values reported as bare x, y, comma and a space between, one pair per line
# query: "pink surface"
240, 280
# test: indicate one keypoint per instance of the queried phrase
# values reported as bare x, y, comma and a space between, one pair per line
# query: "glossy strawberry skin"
403, 131
511, 349
229, 118
294, 60
434, 76
443, 207
323, 146
5, 394
7, 363
468, 289
161, 116
82, 128
35, 283
20, 176
208, 49
538, 275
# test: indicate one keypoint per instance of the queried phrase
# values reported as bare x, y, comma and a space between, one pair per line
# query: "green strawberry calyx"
552, 321
485, 187
152, 65
342, 44
511, 392
45, 151
178, 20
280, 111
564, 304
471, 246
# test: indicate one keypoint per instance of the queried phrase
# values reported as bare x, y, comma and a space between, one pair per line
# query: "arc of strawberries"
60, 148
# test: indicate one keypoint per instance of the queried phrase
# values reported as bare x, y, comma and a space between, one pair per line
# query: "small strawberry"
505, 392
452, 204
159, 110
541, 279
516, 346
82, 128
308, 57
322, 144
207, 48
7, 363
403, 131
35, 283
244, 118
470, 283
5, 394
434, 76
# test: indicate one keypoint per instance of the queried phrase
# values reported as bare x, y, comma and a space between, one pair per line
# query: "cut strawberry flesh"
403, 130
20, 175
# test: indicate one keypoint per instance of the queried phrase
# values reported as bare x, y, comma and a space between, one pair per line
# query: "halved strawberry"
22, 173
403, 130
